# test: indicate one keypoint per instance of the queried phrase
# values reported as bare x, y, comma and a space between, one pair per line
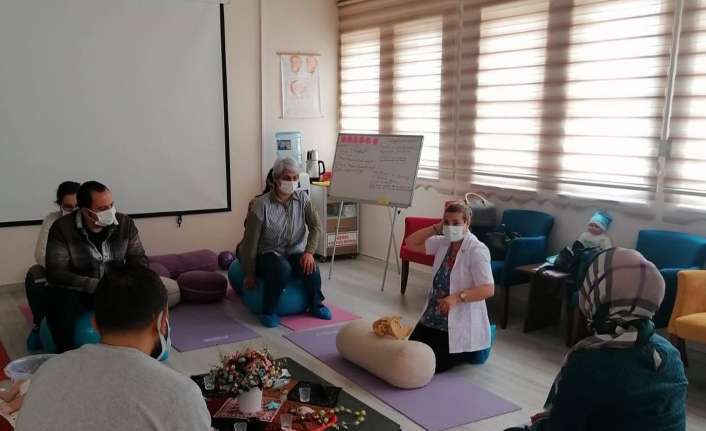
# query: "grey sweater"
99, 387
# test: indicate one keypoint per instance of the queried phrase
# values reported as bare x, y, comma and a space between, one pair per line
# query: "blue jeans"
276, 271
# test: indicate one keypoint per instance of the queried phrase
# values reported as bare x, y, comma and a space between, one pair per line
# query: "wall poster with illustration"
301, 95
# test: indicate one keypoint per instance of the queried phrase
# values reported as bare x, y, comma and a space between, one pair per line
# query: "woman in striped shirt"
282, 231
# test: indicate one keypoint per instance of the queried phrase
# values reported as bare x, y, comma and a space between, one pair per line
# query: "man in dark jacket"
79, 249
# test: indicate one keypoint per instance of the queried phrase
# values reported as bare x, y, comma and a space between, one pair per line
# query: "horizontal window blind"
416, 88
685, 181
359, 77
616, 75
397, 71
565, 96
503, 78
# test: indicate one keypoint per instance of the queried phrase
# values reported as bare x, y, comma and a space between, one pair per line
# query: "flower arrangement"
239, 372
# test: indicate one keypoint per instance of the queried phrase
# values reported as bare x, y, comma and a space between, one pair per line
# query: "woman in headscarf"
625, 376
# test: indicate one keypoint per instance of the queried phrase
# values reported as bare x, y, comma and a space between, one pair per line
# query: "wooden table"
547, 292
374, 420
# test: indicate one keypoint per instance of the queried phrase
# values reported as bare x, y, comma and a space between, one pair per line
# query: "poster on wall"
301, 95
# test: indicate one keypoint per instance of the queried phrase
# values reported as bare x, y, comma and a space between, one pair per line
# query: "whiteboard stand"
335, 239
390, 242
394, 238
376, 169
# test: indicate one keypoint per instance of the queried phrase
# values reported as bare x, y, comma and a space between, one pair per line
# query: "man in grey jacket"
79, 248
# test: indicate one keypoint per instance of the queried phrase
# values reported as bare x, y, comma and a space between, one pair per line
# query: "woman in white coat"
455, 321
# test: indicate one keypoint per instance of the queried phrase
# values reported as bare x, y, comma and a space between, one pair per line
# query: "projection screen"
131, 93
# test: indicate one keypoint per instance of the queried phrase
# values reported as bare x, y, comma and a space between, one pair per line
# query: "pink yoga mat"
446, 402
26, 312
303, 322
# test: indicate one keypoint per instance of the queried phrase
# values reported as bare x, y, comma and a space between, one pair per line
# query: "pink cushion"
202, 286
177, 264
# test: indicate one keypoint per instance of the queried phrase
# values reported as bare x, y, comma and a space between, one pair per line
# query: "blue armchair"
671, 252
534, 228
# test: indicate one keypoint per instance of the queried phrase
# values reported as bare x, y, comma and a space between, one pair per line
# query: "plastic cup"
285, 421
304, 393
208, 382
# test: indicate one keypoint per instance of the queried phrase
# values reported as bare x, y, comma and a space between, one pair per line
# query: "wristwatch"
463, 296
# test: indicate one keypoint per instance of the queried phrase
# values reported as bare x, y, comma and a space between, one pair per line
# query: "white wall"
319, 32
292, 26
570, 220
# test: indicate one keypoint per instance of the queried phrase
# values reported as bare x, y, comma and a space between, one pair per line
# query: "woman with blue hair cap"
596, 236
624, 376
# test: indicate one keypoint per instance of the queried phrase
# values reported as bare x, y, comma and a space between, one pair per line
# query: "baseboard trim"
11, 288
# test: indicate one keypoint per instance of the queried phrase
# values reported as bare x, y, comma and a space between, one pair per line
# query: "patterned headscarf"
621, 292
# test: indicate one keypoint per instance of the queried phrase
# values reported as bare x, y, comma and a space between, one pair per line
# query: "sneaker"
321, 312
269, 320
34, 341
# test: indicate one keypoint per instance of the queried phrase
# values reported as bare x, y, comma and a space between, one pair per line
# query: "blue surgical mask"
165, 344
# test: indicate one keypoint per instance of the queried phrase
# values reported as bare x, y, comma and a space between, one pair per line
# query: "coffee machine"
314, 167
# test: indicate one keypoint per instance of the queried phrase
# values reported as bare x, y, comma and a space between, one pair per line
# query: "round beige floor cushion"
173, 294
401, 363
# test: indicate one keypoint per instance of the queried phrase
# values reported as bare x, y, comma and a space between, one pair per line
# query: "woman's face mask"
67, 204
455, 233
67, 210
288, 187
455, 226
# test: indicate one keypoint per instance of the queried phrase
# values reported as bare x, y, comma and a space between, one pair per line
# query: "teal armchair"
671, 252
534, 228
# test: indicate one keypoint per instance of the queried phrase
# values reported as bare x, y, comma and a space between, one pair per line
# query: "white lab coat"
469, 327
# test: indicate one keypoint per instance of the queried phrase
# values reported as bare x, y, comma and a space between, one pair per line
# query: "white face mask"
165, 344
64, 211
454, 233
288, 187
107, 217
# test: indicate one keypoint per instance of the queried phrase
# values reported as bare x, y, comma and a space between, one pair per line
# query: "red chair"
411, 225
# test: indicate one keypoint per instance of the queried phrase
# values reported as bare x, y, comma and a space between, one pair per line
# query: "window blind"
359, 81
503, 78
685, 179
568, 96
397, 71
616, 75
565, 96
416, 86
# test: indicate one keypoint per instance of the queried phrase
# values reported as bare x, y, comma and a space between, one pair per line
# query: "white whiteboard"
380, 169
126, 92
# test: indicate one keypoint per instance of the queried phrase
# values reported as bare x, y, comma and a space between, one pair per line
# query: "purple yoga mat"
196, 326
446, 402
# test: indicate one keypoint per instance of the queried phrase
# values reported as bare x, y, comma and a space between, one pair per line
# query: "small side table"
547, 292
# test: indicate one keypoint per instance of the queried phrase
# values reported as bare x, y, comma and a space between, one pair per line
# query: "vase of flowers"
250, 402
244, 375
